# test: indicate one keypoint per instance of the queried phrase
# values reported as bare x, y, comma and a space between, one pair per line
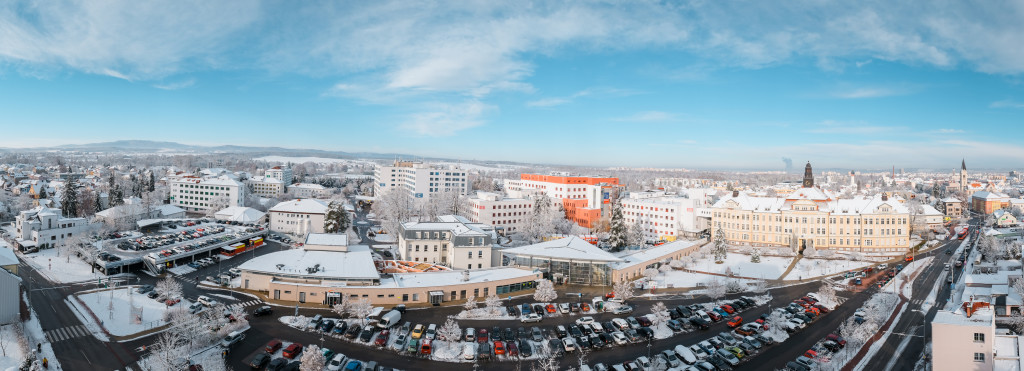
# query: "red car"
481, 336
585, 307
736, 321
809, 299
715, 316
171, 302
292, 351
499, 347
822, 308
909, 259
802, 303
382, 338
513, 350
609, 295
728, 309
273, 346
550, 308
810, 353
836, 338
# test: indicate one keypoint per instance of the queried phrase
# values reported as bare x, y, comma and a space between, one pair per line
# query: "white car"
532, 317
469, 351
569, 344
205, 300
620, 323
620, 338
337, 362
585, 320
563, 307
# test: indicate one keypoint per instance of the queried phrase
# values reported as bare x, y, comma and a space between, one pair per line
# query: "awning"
436, 293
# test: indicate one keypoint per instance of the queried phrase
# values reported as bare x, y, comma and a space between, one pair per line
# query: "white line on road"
899, 350
86, 357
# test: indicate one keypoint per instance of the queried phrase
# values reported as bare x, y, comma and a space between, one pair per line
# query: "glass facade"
580, 272
505, 289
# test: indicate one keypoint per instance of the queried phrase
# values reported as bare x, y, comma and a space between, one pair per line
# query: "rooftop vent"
279, 266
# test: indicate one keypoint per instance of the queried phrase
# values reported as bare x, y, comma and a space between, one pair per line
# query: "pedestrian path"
188, 279
246, 304
67, 333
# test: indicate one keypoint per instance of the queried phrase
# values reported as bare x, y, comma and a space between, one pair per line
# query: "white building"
298, 217
198, 194
307, 190
664, 216
453, 241
134, 210
505, 214
241, 214
44, 227
280, 173
266, 186
419, 179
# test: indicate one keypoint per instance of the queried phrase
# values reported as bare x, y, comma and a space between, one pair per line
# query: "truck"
390, 319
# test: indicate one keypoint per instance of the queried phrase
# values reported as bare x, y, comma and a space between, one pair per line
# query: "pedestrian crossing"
188, 279
67, 333
917, 302
245, 304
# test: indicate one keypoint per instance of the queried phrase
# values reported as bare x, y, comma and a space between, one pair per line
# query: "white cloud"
176, 85
948, 131
857, 128
862, 93
442, 119
1007, 104
547, 102
647, 116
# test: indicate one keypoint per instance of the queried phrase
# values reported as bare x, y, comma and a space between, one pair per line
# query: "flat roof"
447, 278
356, 263
571, 247
327, 239
646, 255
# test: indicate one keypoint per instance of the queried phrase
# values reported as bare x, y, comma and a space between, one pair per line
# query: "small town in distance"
211, 185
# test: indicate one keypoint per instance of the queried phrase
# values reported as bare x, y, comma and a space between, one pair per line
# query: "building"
10, 297
420, 180
576, 261
327, 269
242, 215
663, 216
985, 202
812, 218
283, 174
298, 217
964, 338
307, 190
952, 207
135, 210
585, 199
1003, 218
198, 194
929, 218
44, 227
507, 215
8, 259
960, 180
453, 241
265, 186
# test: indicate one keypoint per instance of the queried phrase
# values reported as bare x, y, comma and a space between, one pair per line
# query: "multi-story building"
952, 207
197, 194
44, 227
283, 174
585, 199
662, 216
810, 217
986, 202
453, 241
265, 186
419, 179
298, 217
307, 190
965, 338
506, 214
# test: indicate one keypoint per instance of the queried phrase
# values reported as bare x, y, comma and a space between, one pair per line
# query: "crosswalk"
245, 304
66, 333
188, 279
917, 302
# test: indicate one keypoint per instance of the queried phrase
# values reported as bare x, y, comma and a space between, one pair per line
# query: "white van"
685, 355
390, 319
883, 266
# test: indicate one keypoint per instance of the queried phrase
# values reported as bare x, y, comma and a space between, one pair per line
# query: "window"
979, 357
405, 297
979, 337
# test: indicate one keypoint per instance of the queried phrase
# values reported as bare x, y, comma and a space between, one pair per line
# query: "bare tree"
450, 331
623, 290
312, 359
545, 292
493, 304
341, 308
393, 208
470, 303
169, 287
360, 309
715, 289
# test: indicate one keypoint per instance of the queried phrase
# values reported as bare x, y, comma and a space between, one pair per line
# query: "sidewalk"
866, 348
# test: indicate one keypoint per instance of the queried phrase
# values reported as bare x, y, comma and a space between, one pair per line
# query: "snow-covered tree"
341, 308
776, 327
450, 331
810, 251
312, 359
360, 309
617, 231
336, 219
547, 363
827, 294
166, 351
714, 288
623, 290
470, 303
650, 273
660, 312
169, 287
635, 237
677, 263
69, 198
493, 304
545, 292
664, 268
755, 255
720, 248
760, 286
393, 208
733, 285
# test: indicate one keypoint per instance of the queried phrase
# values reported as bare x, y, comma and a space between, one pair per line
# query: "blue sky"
697, 85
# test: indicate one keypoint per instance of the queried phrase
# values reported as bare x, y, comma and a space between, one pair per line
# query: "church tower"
808, 176
963, 175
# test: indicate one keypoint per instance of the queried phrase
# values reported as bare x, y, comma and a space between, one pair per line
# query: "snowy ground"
60, 269
12, 355
677, 279
807, 267
34, 333
118, 322
181, 270
384, 238
770, 267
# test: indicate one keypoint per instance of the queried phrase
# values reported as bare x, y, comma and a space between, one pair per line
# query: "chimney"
465, 276
735, 193
885, 197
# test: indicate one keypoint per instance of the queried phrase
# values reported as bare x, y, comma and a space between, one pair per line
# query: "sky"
697, 84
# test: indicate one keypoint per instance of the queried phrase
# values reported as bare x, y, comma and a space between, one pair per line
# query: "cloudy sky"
699, 84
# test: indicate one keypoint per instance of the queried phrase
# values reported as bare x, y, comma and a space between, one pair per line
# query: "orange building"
986, 202
585, 199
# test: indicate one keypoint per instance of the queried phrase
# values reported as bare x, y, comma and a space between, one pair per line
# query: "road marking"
83, 355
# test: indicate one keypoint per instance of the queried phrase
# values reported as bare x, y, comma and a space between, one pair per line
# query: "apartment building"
453, 241
964, 338
986, 202
419, 179
44, 227
811, 217
663, 216
298, 217
506, 214
198, 194
307, 190
586, 199
281, 173
951, 207
265, 186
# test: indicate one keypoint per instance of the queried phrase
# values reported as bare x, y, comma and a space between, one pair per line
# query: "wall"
954, 348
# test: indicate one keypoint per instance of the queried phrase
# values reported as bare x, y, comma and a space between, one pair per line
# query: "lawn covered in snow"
807, 268
119, 323
677, 279
12, 355
770, 267
60, 269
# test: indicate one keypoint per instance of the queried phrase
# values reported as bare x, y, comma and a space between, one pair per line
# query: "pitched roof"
565, 248
302, 205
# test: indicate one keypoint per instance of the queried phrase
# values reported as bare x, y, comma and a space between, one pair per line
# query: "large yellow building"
812, 218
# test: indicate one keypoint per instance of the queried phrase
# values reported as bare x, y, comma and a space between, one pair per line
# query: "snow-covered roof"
356, 263
264, 179
988, 195
327, 239
303, 206
982, 317
166, 210
647, 255
950, 199
929, 210
240, 214
7, 256
447, 278
307, 186
850, 206
456, 228
571, 247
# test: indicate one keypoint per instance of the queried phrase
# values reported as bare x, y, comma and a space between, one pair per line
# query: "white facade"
280, 173
501, 212
44, 227
663, 216
197, 194
266, 186
419, 179
593, 194
454, 242
298, 217
10, 297
307, 190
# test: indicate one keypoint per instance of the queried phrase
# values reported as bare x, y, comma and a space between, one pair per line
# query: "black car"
259, 360
609, 327
556, 346
700, 323
265, 310
153, 294
575, 331
293, 366
367, 334
646, 332
508, 334
340, 327
326, 325
495, 333
522, 334
525, 349
583, 342
718, 362
674, 325
352, 332
684, 311
511, 310
949, 252
277, 364
537, 308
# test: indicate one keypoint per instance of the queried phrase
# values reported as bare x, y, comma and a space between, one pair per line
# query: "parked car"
292, 350
263, 311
